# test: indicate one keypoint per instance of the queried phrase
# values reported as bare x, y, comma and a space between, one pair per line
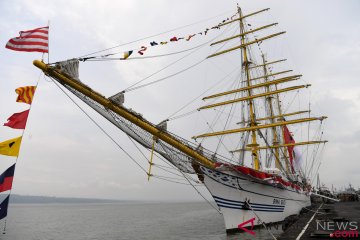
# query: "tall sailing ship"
261, 180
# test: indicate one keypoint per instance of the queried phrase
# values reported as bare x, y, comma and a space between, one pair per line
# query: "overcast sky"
64, 154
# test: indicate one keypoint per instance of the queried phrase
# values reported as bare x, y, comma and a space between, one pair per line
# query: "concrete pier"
328, 221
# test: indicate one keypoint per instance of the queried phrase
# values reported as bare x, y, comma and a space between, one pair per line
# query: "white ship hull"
268, 203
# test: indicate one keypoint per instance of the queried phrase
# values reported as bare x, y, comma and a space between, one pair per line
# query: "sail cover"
70, 67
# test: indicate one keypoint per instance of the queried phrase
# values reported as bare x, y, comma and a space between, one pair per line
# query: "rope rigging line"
314, 150
159, 157
183, 115
169, 180
105, 58
218, 115
308, 134
138, 148
138, 40
102, 129
272, 151
146, 159
224, 128
199, 192
317, 170
211, 129
209, 126
171, 117
292, 101
314, 154
164, 169
262, 222
217, 209
132, 87
229, 116
173, 168
164, 78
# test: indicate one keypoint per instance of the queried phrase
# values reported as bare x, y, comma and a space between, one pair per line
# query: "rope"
307, 225
184, 114
199, 192
162, 79
105, 58
169, 180
138, 40
103, 130
202, 195
308, 134
229, 116
194, 99
157, 165
248, 203
132, 87
314, 154
166, 170
211, 129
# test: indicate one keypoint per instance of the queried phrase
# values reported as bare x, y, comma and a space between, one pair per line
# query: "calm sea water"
153, 221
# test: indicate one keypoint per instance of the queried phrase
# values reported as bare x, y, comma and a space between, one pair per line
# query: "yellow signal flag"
11, 147
25, 94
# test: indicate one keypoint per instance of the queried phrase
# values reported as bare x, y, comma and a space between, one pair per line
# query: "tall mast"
272, 119
254, 144
285, 154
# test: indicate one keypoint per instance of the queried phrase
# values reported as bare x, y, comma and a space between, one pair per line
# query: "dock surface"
341, 219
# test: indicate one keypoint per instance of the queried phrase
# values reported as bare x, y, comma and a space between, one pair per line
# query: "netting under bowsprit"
179, 159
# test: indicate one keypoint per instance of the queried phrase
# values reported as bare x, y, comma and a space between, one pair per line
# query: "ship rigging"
254, 168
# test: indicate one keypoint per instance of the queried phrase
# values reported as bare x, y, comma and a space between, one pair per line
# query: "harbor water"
118, 221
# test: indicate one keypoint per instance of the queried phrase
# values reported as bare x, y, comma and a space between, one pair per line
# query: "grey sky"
64, 154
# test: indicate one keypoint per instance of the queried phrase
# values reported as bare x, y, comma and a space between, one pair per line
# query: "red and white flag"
36, 40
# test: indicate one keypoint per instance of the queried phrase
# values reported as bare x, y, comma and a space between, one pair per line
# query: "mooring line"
262, 222
308, 223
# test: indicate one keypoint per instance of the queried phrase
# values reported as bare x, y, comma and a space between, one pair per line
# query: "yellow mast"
272, 120
255, 157
267, 63
281, 145
278, 116
125, 113
270, 75
256, 127
243, 45
285, 153
254, 96
263, 84
242, 34
244, 16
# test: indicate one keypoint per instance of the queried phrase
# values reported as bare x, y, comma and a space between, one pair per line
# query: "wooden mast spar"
268, 95
125, 113
272, 120
255, 157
